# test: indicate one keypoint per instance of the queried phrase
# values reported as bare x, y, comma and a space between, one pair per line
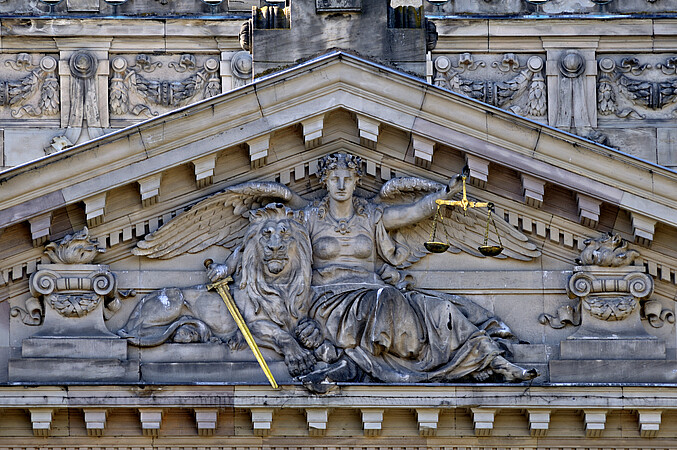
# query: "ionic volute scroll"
609, 289
71, 287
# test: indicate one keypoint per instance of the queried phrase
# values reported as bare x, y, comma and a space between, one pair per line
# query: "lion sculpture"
272, 273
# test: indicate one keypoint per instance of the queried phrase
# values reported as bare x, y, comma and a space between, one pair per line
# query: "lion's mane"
291, 287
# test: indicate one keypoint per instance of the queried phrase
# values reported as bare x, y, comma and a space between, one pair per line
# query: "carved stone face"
275, 238
341, 184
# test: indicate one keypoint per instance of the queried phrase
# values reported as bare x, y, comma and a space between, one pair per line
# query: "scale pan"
436, 247
490, 250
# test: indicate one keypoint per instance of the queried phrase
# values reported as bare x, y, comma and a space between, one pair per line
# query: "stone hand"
299, 360
456, 182
308, 333
216, 272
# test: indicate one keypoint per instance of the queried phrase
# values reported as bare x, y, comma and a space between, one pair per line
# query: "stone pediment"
547, 182
556, 189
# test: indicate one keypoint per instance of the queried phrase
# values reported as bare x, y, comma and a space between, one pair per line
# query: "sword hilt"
224, 282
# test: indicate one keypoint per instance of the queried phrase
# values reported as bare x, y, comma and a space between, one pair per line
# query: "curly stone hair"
339, 160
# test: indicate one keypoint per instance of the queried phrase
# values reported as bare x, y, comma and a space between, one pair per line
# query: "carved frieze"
175, 81
632, 89
513, 82
29, 89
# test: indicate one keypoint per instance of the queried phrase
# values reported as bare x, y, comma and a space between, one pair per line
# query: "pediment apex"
377, 97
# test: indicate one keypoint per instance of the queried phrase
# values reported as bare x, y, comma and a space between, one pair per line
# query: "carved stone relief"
71, 287
630, 89
513, 82
609, 289
34, 91
241, 69
175, 81
304, 269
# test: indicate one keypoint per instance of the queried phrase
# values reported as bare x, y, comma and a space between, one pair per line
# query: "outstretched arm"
399, 216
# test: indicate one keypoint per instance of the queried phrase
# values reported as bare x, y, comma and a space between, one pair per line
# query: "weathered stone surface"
62, 347
216, 372
613, 371
621, 349
59, 370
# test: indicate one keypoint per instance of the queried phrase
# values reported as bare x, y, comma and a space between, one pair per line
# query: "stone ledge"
57, 370
613, 371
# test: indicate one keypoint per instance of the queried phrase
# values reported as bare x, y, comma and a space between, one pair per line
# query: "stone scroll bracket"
369, 131
533, 190
423, 150
643, 228
206, 420
40, 226
262, 420
539, 422
317, 419
427, 419
571, 71
313, 129
95, 209
204, 170
258, 151
83, 73
149, 189
95, 421
479, 170
372, 421
595, 422
588, 210
151, 421
649, 422
483, 420
41, 418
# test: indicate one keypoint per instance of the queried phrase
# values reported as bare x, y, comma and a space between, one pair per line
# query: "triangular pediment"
558, 188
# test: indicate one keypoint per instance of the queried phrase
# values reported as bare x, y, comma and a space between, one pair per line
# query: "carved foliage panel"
29, 86
143, 86
630, 87
510, 81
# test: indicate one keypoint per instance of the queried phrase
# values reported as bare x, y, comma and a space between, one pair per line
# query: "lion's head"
276, 264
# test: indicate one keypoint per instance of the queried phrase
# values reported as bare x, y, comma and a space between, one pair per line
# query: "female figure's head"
340, 173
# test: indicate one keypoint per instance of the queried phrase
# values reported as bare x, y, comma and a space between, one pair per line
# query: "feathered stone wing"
463, 232
217, 220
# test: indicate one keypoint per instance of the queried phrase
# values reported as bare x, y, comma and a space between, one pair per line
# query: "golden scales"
435, 246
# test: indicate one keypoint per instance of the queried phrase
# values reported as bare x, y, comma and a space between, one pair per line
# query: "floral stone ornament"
72, 293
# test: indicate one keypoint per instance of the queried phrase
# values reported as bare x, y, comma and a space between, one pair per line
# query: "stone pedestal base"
72, 359
613, 349
213, 372
68, 370
613, 371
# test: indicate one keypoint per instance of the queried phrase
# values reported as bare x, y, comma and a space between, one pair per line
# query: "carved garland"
529, 79
127, 82
41, 78
646, 93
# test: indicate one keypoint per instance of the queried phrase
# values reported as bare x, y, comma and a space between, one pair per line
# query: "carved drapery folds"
133, 93
628, 88
506, 83
35, 94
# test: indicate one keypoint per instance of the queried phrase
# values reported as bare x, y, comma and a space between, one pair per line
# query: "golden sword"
222, 288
